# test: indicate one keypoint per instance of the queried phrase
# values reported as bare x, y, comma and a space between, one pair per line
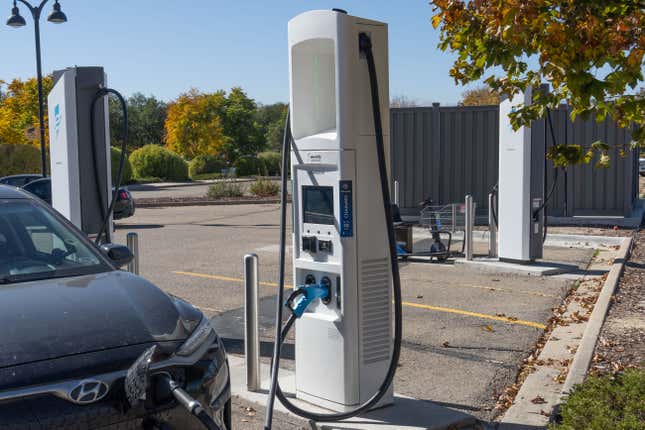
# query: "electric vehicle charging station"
344, 343
76, 169
521, 188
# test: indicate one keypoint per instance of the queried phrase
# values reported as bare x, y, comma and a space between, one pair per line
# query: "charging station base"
404, 413
387, 400
539, 268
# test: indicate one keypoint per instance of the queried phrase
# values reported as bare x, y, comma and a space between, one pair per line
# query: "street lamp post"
16, 20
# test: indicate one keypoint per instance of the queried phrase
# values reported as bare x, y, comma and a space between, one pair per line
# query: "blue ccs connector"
300, 299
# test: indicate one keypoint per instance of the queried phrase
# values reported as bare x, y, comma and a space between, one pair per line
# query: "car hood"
53, 318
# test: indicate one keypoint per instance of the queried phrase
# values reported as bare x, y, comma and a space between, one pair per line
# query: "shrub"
264, 188
157, 161
248, 166
608, 402
19, 158
115, 156
205, 164
271, 162
224, 189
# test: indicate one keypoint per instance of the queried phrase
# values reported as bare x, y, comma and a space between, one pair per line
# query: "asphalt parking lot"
465, 332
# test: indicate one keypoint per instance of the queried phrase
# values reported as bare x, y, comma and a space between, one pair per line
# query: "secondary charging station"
521, 187
80, 163
343, 343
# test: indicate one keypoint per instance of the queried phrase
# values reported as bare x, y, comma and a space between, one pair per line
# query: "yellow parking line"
410, 304
476, 315
226, 278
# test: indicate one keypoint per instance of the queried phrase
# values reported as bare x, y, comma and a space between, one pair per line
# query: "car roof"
9, 192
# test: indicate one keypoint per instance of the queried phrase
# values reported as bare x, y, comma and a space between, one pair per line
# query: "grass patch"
224, 189
147, 180
608, 402
207, 176
264, 188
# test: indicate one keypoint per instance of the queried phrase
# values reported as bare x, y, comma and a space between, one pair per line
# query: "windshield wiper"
5, 280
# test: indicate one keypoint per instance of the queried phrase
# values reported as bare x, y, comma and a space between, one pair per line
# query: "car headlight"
196, 339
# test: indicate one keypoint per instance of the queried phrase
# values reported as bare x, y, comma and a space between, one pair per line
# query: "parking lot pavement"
465, 332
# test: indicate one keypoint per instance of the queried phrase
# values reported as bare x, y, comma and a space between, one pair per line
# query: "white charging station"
73, 172
343, 347
521, 176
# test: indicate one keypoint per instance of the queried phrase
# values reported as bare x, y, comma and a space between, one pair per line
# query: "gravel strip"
621, 344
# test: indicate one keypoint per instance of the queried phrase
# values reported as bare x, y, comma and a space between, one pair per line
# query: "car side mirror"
120, 255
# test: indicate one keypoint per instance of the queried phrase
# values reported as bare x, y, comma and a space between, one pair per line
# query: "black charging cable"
106, 213
546, 197
365, 45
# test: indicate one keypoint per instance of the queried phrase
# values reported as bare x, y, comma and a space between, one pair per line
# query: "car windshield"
35, 245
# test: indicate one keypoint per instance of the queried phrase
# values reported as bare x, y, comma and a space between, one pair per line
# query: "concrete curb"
144, 204
555, 240
584, 354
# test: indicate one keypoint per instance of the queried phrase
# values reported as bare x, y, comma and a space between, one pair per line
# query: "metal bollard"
492, 227
470, 222
453, 221
396, 193
251, 330
133, 245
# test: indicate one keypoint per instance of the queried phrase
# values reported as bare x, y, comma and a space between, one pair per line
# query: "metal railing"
133, 244
251, 321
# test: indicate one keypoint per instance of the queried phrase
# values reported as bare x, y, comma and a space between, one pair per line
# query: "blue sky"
166, 47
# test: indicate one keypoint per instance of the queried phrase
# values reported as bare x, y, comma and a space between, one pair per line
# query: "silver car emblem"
88, 391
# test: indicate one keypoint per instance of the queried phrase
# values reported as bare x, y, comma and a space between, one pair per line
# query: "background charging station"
343, 346
521, 187
74, 174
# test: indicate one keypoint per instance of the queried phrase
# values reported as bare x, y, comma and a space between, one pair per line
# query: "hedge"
19, 158
203, 164
248, 166
609, 402
158, 162
271, 162
126, 177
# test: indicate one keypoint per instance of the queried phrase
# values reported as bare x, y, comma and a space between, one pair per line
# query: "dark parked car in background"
123, 208
73, 324
19, 180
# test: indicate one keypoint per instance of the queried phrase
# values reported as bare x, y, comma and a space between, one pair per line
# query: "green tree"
146, 119
270, 119
480, 96
591, 52
243, 134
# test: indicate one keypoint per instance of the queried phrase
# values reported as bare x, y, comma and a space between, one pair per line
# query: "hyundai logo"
88, 391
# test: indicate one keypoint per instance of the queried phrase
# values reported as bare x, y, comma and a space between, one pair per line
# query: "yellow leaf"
436, 20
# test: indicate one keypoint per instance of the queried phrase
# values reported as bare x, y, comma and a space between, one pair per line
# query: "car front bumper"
207, 380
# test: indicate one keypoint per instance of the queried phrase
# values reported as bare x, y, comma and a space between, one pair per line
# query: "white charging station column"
521, 171
73, 171
343, 347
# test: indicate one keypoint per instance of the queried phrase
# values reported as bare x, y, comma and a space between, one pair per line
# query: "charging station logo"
57, 120
346, 210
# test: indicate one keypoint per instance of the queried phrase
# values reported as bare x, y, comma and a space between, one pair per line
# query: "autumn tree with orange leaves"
589, 51
19, 111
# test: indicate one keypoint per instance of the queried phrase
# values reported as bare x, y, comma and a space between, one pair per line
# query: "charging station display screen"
318, 205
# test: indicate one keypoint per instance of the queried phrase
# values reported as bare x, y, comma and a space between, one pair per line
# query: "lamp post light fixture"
16, 20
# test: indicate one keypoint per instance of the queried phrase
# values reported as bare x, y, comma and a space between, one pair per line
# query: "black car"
19, 180
123, 208
72, 324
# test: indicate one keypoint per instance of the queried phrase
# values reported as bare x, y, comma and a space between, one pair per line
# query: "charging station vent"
375, 306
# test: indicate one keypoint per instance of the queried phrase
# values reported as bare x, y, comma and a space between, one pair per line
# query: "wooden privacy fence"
448, 152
